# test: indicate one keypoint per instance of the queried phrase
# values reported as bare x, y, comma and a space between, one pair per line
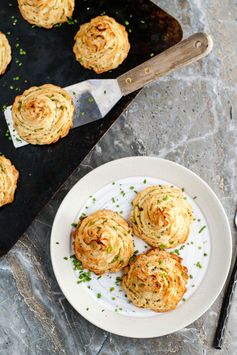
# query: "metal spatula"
93, 99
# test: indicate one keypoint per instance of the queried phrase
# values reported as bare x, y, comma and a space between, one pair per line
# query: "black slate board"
49, 59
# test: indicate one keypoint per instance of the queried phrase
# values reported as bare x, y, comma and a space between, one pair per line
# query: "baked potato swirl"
8, 181
156, 280
103, 242
102, 44
46, 13
5, 53
43, 115
161, 216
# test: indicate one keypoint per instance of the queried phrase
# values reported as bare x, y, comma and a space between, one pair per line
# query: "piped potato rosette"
161, 216
43, 115
46, 13
8, 181
5, 53
102, 44
156, 280
103, 242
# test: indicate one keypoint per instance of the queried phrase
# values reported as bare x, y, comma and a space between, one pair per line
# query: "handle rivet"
198, 44
128, 80
147, 70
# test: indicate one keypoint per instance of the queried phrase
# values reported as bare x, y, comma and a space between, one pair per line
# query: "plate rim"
228, 236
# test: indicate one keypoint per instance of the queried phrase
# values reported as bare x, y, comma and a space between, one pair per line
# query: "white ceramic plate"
207, 253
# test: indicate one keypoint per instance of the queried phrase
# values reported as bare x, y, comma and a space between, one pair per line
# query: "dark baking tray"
49, 59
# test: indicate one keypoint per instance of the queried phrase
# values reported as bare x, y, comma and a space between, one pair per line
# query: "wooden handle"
186, 52
225, 310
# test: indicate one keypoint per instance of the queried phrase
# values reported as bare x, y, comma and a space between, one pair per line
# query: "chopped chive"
77, 265
114, 259
176, 251
84, 277
198, 264
202, 229
118, 280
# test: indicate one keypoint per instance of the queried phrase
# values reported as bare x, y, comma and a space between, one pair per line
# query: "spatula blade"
93, 99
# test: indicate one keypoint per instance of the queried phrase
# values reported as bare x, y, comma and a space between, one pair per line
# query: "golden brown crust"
161, 216
8, 181
43, 115
103, 242
5, 53
46, 13
102, 44
156, 280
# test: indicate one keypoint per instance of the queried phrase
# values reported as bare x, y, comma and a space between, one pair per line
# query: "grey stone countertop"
189, 117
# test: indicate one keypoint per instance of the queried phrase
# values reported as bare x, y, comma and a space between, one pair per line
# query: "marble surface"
189, 117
